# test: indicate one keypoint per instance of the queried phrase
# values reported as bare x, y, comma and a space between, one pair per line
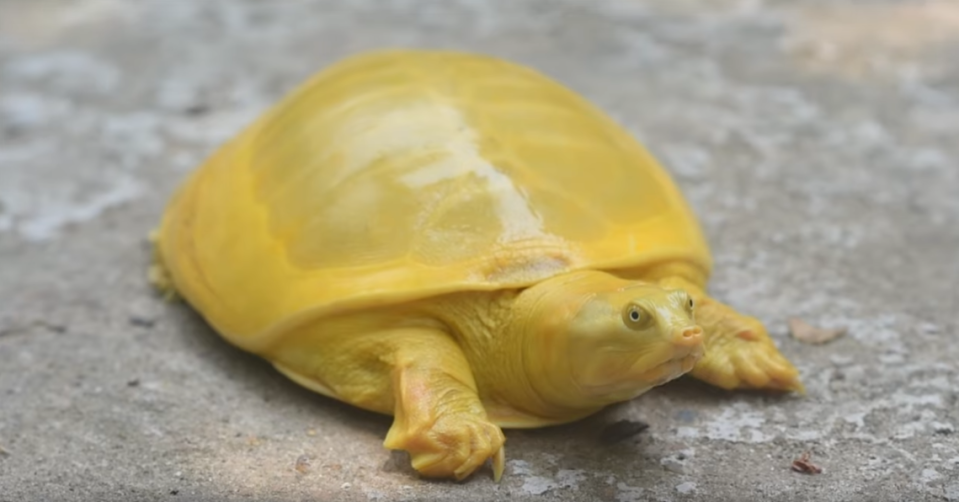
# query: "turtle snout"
689, 336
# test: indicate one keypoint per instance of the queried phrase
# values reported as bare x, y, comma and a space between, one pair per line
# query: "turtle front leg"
438, 416
739, 351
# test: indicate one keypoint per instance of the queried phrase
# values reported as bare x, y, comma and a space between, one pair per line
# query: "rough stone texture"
817, 140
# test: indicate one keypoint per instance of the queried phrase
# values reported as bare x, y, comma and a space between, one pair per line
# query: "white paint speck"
929, 475
537, 485
916, 427
942, 427
47, 216
570, 478
519, 467
859, 419
687, 160
131, 138
677, 462
686, 488
373, 494
879, 331
738, 423
628, 493
892, 359
27, 110
564, 479
66, 71
804, 435
952, 492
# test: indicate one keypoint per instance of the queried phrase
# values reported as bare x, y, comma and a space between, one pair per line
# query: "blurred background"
815, 139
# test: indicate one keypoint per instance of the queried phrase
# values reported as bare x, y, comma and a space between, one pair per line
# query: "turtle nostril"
690, 336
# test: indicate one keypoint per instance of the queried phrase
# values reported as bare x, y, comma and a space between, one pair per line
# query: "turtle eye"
635, 317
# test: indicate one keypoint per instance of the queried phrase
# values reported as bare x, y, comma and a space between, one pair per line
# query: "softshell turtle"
458, 241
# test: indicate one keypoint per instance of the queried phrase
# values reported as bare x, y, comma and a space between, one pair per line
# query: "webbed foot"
453, 446
740, 354
438, 417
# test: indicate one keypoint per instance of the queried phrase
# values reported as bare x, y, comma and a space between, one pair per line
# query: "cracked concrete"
815, 139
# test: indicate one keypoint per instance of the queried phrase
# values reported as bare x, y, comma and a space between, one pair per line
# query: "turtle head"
608, 340
626, 341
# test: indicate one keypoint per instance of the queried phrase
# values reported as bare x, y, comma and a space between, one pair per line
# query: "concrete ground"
817, 140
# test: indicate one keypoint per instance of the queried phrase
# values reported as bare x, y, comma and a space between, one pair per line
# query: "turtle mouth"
624, 375
671, 369
643, 376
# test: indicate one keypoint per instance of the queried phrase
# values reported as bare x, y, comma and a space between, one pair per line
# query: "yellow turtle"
458, 241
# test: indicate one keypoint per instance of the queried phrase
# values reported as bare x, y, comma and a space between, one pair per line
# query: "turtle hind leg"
739, 352
158, 274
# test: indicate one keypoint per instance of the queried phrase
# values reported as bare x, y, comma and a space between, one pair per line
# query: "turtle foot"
741, 355
454, 446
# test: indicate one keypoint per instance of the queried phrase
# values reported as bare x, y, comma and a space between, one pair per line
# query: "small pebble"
142, 322
302, 465
56, 328
943, 429
807, 333
197, 109
673, 465
804, 465
676, 462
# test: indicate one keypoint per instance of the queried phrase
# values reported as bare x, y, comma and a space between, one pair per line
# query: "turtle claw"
499, 464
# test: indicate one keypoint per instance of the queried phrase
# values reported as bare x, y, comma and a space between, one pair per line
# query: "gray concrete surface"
816, 139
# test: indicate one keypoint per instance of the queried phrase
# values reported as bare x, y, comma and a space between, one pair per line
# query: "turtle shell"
392, 176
